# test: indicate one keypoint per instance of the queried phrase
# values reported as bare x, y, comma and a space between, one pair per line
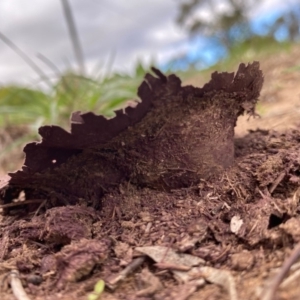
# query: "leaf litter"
160, 202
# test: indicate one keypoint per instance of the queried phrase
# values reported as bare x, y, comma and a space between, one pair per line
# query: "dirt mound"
167, 193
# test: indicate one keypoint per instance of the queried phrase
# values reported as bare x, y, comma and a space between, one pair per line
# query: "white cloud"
130, 28
133, 29
267, 6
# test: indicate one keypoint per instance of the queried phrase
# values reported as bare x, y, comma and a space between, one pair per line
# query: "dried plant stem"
74, 35
113, 282
26, 58
30, 201
270, 292
16, 286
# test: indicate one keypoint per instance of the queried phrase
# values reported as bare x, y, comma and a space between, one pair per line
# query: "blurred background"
66, 55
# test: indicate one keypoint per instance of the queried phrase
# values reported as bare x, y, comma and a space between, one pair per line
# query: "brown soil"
238, 230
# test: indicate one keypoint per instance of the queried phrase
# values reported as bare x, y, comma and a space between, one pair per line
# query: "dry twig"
277, 181
16, 286
30, 201
113, 282
269, 293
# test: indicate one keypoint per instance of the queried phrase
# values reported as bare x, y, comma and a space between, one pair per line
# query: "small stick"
39, 208
16, 286
290, 279
113, 282
277, 181
30, 201
270, 293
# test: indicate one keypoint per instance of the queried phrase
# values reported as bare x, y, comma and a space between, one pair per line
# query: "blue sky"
203, 52
132, 30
